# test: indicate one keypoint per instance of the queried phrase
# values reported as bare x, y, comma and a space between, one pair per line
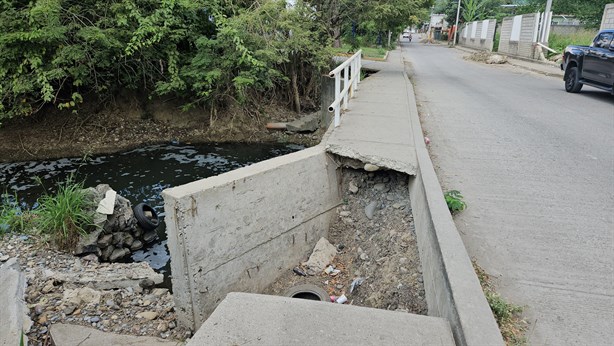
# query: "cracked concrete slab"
14, 318
255, 319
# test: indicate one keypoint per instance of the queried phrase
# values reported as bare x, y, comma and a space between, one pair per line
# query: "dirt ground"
126, 124
381, 250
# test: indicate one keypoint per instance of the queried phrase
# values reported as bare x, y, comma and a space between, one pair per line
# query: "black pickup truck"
592, 65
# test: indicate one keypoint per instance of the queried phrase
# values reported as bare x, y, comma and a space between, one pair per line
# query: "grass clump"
507, 315
65, 216
455, 202
13, 217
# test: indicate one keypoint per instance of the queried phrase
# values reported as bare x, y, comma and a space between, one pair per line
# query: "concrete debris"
307, 123
107, 277
83, 295
496, 59
67, 334
323, 254
14, 317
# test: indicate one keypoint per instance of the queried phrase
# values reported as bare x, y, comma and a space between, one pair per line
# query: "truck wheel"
572, 82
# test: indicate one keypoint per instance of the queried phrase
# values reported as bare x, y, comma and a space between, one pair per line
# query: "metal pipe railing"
351, 77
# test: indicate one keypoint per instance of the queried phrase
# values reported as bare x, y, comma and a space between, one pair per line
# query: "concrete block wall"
478, 42
240, 230
607, 21
525, 47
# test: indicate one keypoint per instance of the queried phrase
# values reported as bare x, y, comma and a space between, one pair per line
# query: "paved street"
536, 167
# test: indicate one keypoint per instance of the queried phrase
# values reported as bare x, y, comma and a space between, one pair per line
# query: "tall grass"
559, 42
66, 215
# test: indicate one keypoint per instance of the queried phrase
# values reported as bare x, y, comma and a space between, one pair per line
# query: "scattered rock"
84, 295
148, 315
118, 254
371, 168
4, 258
381, 187
322, 255
146, 283
353, 188
345, 213
370, 210
69, 309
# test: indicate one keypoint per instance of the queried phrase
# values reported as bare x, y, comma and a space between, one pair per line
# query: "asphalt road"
536, 167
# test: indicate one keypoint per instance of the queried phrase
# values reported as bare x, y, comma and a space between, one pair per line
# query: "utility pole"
456, 25
545, 23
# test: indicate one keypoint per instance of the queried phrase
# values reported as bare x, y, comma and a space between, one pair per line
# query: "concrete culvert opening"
308, 292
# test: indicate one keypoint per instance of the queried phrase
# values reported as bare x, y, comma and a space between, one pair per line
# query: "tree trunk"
294, 79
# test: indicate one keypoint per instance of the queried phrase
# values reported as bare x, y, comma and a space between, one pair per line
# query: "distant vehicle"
592, 65
406, 35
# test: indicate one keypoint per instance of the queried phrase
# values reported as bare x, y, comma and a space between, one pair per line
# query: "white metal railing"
350, 84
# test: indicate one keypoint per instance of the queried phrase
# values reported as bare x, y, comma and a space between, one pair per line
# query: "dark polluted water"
139, 175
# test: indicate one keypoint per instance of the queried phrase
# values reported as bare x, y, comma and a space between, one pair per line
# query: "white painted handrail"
350, 84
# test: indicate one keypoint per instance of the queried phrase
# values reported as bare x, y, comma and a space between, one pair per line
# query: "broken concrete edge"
14, 320
452, 287
73, 335
371, 159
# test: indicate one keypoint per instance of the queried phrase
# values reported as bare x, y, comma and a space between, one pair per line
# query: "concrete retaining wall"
607, 21
452, 288
240, 230
525, 45
479, 38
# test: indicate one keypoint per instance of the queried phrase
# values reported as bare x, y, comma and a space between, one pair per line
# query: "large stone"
107, 276
14, 317
107, 252
307, 123
84, 295
118, 254
73, 335
323, 254
105, 240
136, 245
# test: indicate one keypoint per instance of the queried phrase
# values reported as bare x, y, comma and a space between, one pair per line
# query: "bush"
65, 216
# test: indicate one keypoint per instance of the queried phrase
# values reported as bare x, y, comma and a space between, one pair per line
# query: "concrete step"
73, 335
256, 319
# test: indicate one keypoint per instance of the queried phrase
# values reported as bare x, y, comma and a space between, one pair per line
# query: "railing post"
337, 115
345, 85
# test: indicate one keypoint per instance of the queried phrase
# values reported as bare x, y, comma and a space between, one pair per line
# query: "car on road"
591, 65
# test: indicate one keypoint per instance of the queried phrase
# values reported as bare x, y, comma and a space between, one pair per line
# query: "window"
603, 40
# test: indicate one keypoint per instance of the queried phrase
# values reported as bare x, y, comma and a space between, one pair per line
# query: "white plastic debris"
357, 282
107, 204
342, 299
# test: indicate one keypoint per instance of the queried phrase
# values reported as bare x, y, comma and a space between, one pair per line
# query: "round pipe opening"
306, 295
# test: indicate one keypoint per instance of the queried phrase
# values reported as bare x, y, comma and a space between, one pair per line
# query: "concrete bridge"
224, 230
